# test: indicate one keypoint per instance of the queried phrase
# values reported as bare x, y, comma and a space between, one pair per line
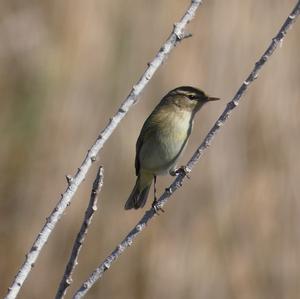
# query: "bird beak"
212, 99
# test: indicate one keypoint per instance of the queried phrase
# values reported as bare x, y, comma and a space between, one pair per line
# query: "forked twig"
177, 183
73, 260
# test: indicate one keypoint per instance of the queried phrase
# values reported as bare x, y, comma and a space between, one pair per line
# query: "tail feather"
139, 194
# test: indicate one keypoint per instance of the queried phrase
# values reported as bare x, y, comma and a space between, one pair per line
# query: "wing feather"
146, 131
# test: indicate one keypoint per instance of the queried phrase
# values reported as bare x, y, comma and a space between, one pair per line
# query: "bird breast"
163, 146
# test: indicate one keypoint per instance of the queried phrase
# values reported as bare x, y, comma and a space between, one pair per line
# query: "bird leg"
154, 206
180, 170
154, 189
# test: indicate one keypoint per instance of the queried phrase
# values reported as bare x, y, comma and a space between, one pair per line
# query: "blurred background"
232, 231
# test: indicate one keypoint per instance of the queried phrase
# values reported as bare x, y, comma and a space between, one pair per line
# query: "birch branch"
177, 35
177, 183
73, 260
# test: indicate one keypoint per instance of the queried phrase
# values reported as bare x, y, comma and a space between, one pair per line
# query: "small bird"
163, 138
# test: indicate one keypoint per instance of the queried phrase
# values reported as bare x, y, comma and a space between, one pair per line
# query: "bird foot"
157, 208
181, 170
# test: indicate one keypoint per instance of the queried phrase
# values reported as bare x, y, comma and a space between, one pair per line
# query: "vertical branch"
177, 183
176, 36
73, 260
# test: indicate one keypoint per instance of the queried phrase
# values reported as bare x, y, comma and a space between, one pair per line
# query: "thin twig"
73, 261
177, 35
105, 265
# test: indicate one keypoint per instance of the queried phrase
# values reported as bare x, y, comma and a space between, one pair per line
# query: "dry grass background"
232, 231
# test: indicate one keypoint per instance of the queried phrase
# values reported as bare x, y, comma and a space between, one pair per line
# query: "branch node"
120, 247
281, 43
169, 190
177, 31
219, 123
134, 89
186, 35
106, 265
139, 227
265, 57
235, 103
162, 49
69, 179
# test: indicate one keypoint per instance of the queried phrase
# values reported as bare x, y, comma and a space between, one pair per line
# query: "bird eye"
193, 97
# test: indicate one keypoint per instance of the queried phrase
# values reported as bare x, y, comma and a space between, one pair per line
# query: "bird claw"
181, 170
157, 208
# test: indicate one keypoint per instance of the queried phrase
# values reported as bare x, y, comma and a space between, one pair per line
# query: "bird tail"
139, 194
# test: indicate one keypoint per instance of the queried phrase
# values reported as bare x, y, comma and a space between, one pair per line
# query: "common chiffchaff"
163, 138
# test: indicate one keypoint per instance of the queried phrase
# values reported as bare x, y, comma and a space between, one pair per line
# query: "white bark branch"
105, 265
73, 260
177, 35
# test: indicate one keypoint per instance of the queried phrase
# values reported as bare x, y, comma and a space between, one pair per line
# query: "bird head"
188, 98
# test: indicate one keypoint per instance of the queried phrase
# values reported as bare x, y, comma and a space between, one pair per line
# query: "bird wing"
139, 144
146, 131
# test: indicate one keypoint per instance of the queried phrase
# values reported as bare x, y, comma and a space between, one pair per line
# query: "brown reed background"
232, 231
